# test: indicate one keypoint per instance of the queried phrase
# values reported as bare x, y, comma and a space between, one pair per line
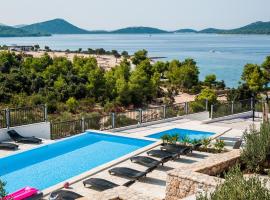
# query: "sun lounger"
102, 184
64, 195
14, 135
162, 154
8, 146
129, 173
149, 162
181, 150
238, 144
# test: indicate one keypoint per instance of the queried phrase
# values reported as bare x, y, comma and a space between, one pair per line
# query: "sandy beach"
104, 61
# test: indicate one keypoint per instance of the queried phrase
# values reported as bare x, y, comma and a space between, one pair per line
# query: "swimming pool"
183, 133
49, 165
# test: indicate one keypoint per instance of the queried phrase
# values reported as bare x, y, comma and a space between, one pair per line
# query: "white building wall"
39, 130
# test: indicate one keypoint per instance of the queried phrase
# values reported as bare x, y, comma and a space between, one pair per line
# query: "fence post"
206, 104
113, 120
83, 124
211, 113
232, 107
45, 113
140, 116
164, 111
186, 108
8, 118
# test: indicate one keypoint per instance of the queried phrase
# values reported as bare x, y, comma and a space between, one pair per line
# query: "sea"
223, 55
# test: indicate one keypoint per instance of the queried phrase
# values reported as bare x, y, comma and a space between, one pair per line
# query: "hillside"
8, 31
139, 30
185, 31
254, 28
55, 26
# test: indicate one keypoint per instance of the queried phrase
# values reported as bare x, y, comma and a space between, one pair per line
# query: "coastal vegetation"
236, 186
71, 88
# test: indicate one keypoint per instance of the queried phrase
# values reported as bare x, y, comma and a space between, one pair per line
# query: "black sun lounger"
37, 196
102, 184
149, 162
162, 154
181, 150
8, 146
14, 135
64, 195
129, 173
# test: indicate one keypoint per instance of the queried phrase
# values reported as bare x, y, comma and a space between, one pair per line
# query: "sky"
114, 14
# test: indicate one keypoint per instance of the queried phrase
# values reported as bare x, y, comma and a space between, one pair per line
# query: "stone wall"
199, 176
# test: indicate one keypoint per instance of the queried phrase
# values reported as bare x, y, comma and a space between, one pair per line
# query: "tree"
47, 48
254, 77
266, 68
183, 75
210, 80
139, 56
140, 87
125, 54
36, 47
207, 94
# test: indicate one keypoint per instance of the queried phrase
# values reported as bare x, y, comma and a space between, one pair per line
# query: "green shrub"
186, 140
72, 104
257, 148
197, 106
219, 145
206, 142
236, 187
3, 192
165, 138
174, 138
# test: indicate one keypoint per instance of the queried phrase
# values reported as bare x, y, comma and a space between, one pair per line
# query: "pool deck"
154, 184
22, 147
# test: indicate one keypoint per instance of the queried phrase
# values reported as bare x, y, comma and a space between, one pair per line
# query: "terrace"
157, 183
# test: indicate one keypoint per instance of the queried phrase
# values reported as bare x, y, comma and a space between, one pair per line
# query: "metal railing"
152, 114
66, 129
11, 117
121, 119
127, 118
3, 123
230, 108
175, 110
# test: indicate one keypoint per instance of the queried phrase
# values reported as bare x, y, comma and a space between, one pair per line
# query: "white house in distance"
20, 48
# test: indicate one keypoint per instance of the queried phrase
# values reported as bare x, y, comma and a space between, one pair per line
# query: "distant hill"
55, 26
254, 28
60, 26
210, 30
139, 30
185, 31
8, 31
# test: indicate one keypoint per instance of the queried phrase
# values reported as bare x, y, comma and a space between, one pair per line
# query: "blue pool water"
183, 133
51, 164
